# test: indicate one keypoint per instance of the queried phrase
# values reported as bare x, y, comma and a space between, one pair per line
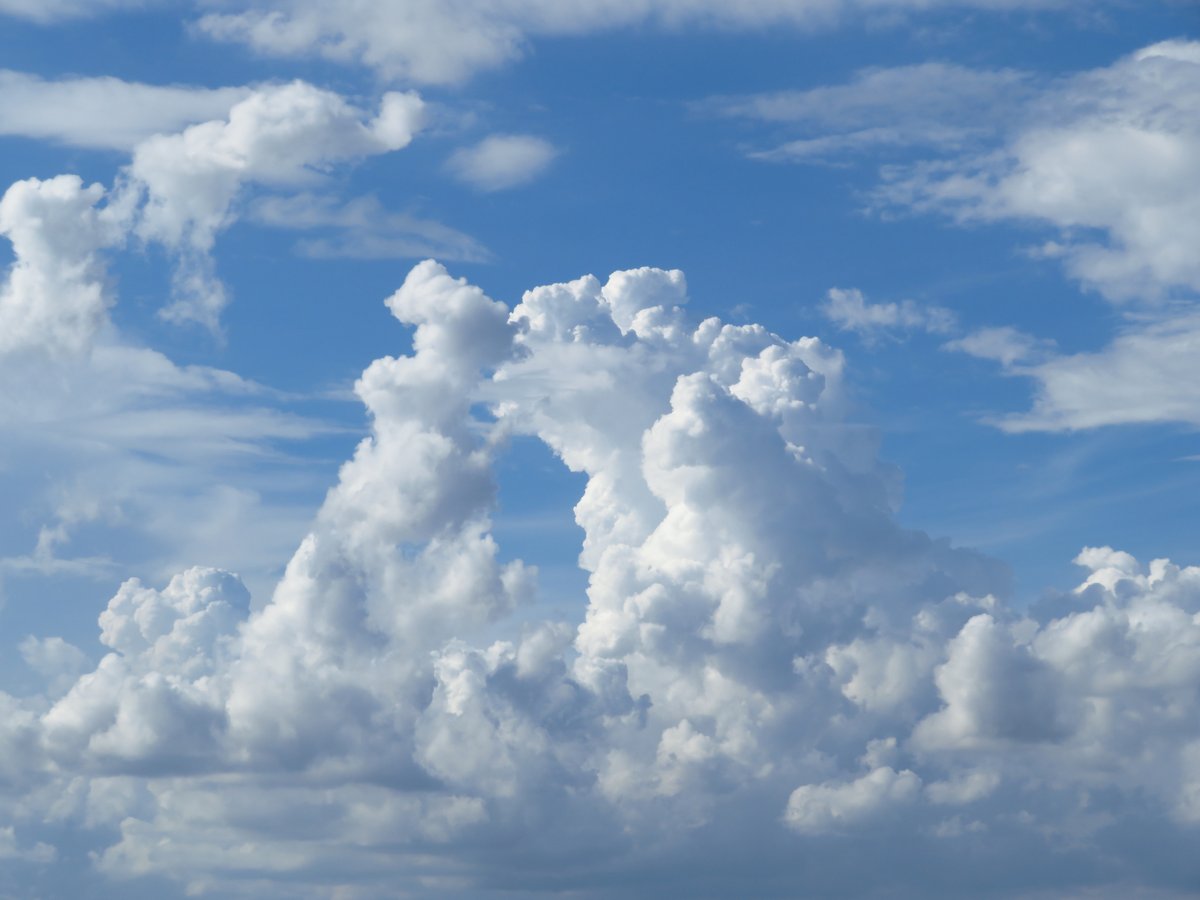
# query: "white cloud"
765, 661
1110, 158
1107, 159
104, 112
48, 11
849, 310
502, 161
54, 297
434, 42
119, 433
278, 136
929, 105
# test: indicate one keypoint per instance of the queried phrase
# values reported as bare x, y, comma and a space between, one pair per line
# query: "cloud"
181, 190
1144, 375
431, 42
929, 105
54, 297
104, 112
49, 11
363, 229
768, 680
1106, 160
279, 136
1110, 158
850, 311
120, 434
502, 161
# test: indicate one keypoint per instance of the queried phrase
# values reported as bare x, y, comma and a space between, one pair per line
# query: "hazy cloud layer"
436, 42
768, 681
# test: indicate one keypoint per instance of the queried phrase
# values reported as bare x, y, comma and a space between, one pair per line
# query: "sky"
615, 448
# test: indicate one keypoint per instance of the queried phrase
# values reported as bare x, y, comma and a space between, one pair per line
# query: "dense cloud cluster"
767, 679
769, 688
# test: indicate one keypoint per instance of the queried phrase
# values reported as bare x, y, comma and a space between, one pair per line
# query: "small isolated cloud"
849, 310
502, 161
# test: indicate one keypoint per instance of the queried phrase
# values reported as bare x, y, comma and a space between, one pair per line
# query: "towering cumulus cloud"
771, 688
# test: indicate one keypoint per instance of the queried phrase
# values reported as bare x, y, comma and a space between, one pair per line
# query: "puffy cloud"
765, 662
180, 188
816, 808
54, 298
279, 136
104, 112
502, 161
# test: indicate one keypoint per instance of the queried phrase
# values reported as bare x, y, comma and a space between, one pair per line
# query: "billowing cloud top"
768, 681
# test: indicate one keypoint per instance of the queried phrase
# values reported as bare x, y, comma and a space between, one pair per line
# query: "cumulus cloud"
279, 136
53, 297
182, 185
430, 41
768, 675
502, 161
104, 112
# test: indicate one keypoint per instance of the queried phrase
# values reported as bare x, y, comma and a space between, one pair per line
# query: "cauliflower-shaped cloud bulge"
771, 688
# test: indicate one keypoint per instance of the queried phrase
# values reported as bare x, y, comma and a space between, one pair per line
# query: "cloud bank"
768, 682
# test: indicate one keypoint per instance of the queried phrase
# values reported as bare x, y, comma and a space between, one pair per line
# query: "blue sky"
826, 582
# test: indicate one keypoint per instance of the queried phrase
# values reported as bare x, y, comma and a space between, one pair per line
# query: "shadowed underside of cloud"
768, 682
